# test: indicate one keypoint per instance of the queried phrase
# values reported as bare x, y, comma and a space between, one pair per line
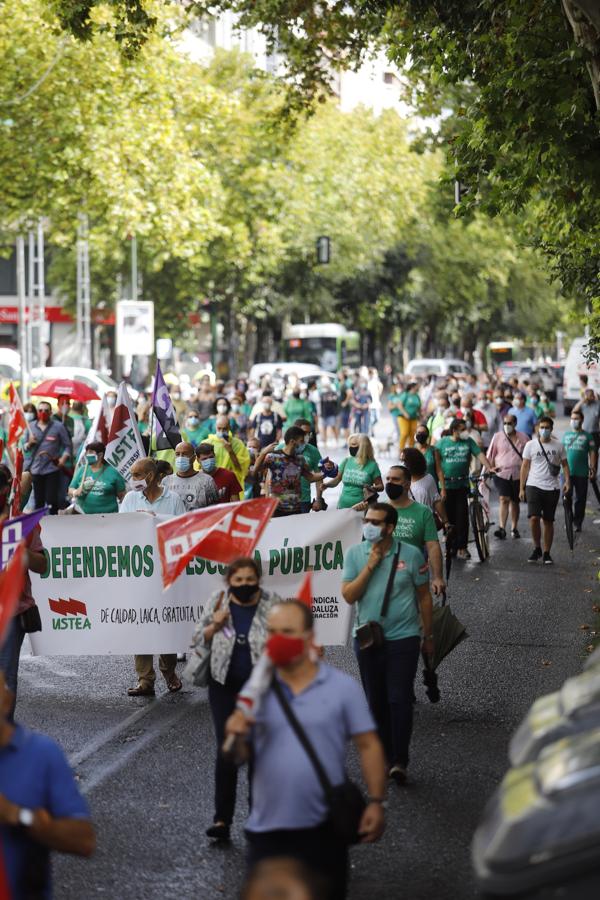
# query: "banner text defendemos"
113, 561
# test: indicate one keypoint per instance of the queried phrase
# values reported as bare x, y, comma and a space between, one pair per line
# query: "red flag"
220, 533
15, 504
17, 423
12, 581
305, 594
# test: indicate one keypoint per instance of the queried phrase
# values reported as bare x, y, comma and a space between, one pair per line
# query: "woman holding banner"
96, 487
235, 625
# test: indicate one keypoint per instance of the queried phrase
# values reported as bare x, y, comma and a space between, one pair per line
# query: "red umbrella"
65, 387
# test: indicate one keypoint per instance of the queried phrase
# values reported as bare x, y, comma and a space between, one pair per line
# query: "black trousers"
47, 491
457, 508
318, 848
580, 489
221, 698
388, 676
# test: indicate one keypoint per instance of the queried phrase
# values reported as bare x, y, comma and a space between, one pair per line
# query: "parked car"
420, 368
540, 374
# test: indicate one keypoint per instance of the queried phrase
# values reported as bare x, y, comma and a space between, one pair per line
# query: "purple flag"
12, 532
167, 431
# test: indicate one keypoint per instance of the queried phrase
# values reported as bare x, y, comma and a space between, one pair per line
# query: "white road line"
124, 752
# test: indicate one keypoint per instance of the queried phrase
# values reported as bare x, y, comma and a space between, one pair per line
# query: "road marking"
119, 755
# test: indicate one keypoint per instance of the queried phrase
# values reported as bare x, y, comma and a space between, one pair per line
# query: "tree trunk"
584, 19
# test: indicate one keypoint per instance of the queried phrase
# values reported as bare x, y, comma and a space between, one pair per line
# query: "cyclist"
453, 458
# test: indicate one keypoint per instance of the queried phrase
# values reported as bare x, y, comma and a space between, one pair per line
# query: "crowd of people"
243, 440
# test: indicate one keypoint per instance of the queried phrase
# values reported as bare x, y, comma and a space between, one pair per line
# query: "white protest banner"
124, 445
103, 592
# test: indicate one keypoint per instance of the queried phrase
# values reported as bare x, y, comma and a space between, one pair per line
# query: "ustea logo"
69, 614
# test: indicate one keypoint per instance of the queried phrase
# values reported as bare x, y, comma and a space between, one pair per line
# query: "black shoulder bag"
554, 469
370, 635
515, 448
345, 801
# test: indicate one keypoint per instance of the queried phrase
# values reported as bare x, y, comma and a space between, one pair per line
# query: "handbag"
345, 801
197, 667
370, 635
554, 469
31, 620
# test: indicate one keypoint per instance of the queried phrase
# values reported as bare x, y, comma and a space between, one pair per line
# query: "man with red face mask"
289, 815
50, 448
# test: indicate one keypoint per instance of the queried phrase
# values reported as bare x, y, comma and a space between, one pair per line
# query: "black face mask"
352, 451
243, 592
394, 491
421, 438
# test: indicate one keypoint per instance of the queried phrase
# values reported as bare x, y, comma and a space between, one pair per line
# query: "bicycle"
478, 516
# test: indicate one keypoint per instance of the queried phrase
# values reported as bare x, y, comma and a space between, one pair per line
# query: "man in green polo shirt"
313, 458
388, 671
582, 458
416, 524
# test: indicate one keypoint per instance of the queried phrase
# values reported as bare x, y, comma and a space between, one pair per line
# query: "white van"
420, 368
575, 365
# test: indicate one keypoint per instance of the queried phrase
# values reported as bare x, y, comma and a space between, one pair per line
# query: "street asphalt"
146, 765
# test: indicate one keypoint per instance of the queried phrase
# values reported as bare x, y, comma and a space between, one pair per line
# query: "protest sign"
124, 446
103, 591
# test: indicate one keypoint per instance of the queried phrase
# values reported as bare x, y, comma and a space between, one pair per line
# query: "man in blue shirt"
289, 810
41, 808
525, 415
378, 565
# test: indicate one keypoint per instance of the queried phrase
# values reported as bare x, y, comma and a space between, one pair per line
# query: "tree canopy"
520, 79
227, 196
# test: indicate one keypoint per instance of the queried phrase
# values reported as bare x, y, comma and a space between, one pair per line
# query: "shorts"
541, 504
507, 487
329, 421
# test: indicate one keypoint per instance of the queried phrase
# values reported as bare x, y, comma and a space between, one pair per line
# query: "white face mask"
576, 424
139, 485
221, 408
545, 433
508, 429
463, 436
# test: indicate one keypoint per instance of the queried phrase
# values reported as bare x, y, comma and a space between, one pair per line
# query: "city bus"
501, 352
327, 345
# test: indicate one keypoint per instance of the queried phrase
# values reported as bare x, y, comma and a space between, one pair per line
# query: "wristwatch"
25, 817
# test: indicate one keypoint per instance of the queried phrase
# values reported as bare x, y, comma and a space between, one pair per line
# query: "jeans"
457, 508
47, 491
317, 848
221, 698
9, 659
388, 675
580, 490
361, 422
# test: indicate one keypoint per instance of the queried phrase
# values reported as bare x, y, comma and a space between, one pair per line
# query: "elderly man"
230, 452
195, 489
148, 495
41, 808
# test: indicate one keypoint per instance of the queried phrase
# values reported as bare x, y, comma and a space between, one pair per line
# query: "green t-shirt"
456, 459
411, 403
103, 489
354, 479
394, 398
430, 460
297, 408
193, 436
402, 619
416, 525
579, 445
312, 457
544, 409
